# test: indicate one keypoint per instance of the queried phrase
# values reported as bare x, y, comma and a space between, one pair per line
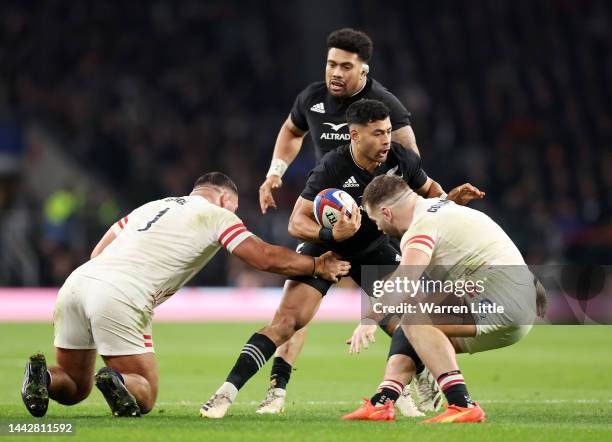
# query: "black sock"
453, 386
281, 372
253, 356
387, 390
401, 346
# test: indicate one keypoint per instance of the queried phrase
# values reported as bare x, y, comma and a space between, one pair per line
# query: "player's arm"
462, 194
109, 236
288, 144
431, 189
405, 136
276, 259
413, 264
302, 224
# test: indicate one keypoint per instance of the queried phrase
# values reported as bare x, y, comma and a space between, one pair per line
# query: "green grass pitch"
554, 385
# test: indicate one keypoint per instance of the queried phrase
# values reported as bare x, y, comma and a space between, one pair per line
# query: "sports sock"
255, 353
387, 390
281, 372
453, 386
400, 345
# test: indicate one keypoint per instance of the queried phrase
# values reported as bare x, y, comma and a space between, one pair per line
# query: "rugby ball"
328, 205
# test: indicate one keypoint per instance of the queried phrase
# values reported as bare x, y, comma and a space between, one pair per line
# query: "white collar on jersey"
362, 87
357, 164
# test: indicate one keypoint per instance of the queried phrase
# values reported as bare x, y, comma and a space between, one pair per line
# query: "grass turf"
553, 385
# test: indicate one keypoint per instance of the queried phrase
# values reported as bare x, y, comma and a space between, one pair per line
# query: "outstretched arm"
276, 259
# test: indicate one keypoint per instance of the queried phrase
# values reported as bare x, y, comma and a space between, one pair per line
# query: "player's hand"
362, 336
465, 193
541, 301
265, 192
328, 266
347, 226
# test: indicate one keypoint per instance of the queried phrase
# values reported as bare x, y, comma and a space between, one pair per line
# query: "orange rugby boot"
369, 412
458, 415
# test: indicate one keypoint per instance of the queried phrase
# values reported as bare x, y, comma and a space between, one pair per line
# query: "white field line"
485, 401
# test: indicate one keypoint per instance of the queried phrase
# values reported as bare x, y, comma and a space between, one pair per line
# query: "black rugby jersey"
324, 115
339, 170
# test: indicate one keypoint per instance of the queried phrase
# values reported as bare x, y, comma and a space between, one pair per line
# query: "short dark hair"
365, 111
383, 188
216, 179
351, 40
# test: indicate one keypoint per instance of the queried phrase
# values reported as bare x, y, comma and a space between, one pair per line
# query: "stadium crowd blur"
514, 96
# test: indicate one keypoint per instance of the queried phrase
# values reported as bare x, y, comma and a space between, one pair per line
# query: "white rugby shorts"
93, 314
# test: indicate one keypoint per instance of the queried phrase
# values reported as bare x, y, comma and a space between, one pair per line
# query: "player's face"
383, 218
344, 72
374, 140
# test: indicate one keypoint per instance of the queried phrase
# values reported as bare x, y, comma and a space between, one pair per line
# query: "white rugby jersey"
163, 244
457, 237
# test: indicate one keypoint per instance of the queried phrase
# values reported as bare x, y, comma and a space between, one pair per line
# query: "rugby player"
320, 111
448, 242
106, 305
351, 168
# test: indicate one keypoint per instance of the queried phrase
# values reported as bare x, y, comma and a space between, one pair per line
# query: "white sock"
228, 389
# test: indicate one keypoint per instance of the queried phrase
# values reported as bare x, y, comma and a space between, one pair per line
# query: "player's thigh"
491, 336
120, 326
299, 303
79, 365
143, 364
72, 328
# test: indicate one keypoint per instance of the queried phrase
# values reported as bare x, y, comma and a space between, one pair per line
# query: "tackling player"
445, 240
350, 167
320, 111
107, 303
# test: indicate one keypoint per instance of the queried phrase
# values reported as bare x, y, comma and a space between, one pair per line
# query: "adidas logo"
318, 108
351, 182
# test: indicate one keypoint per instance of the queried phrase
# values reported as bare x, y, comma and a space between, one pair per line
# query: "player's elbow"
292, 229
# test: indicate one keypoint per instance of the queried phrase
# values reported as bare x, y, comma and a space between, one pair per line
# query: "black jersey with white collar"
324, 116
338, 169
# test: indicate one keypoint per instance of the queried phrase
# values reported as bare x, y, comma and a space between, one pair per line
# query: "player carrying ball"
357, 239
318, 117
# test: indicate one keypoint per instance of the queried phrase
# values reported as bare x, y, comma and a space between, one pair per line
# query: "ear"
223, 200
387, 214
354, 133
365, 69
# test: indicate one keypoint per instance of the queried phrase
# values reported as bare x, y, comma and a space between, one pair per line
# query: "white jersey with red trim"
163, 244
456, 236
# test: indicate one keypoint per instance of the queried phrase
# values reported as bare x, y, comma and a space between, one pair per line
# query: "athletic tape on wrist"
278, 167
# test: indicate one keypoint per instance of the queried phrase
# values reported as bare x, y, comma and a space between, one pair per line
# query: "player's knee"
286, 325
400, 363
81, 393
146, 406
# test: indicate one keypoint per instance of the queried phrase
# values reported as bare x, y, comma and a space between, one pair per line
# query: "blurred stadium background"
105, 105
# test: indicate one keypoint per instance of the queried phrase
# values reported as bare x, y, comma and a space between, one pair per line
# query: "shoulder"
404, 154
336, 156
316, 90
377, 90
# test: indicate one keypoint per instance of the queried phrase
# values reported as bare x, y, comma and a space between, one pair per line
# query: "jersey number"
154, 220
